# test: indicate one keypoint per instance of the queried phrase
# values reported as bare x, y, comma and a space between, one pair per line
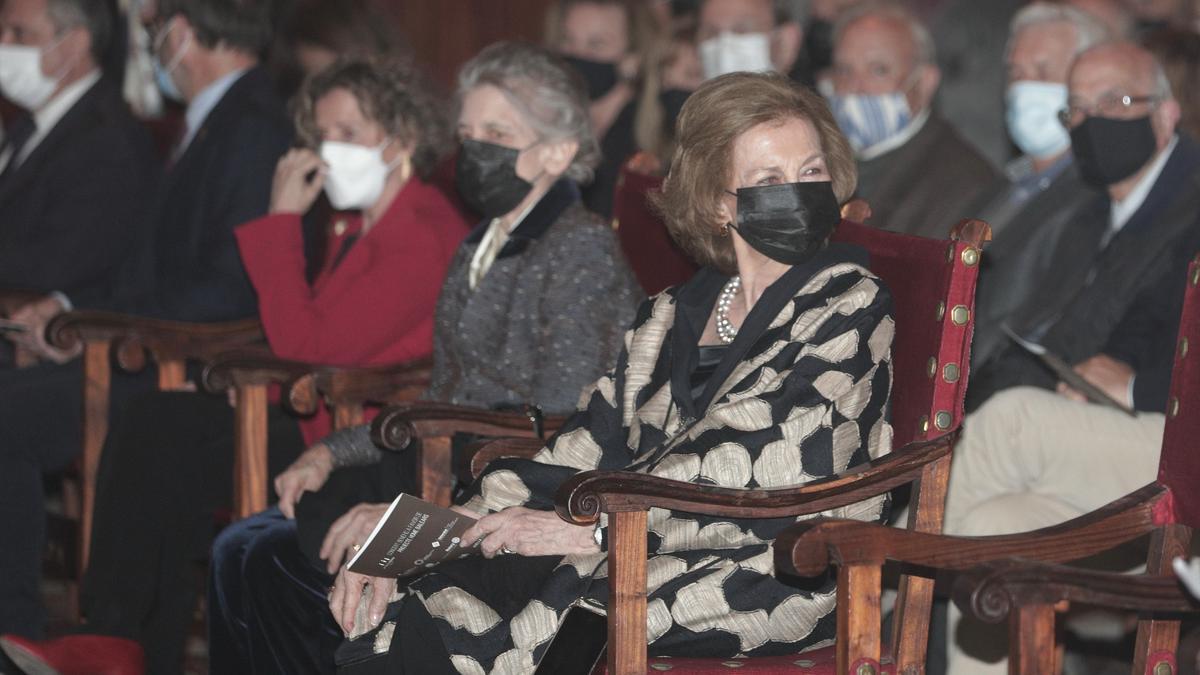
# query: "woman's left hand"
529, 532
347, 594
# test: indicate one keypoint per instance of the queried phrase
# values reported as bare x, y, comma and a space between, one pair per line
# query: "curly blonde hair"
393, 93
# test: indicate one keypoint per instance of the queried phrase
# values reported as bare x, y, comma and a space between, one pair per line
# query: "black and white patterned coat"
800, 394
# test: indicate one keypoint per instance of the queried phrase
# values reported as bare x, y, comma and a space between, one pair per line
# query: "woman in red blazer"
370, 131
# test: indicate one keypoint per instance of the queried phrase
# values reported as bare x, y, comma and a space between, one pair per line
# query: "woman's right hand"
307, 474
291, 191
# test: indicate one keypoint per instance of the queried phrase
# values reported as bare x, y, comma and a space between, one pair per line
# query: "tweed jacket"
801, 393
547, 318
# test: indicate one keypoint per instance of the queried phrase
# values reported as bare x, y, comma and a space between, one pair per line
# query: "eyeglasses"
1112, 105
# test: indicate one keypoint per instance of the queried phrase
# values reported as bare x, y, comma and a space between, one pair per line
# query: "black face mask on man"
1108, 151
486, 177
599, 76
788, 223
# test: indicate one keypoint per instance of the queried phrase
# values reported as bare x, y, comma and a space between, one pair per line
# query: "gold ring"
355, 547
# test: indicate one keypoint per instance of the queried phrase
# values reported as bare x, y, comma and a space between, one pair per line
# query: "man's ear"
1164, 120
558, 155
786, 40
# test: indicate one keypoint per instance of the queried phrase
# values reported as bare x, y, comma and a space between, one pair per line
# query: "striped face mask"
870, 119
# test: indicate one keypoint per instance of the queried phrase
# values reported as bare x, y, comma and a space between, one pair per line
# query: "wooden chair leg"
250, 441
171, 374
1158, 640
858, 617
914, 602
97, 380
437, 474
347, 415
627, 593
1031, 639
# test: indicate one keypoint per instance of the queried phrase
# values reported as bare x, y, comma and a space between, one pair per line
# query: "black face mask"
672, 101
1108, 151
599, 76
486, 177
818, 44
787, 223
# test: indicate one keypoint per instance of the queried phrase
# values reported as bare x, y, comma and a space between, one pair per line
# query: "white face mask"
736, 52
1032, 117
21, 77
356, 174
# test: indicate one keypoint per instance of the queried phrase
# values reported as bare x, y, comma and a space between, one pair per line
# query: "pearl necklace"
725, 329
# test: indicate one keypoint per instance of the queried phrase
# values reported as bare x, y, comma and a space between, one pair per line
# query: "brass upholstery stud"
970, 256
941, 311
960, 315
1173, 407
1183, 347
951, 372
932, 366
943, 419
868, 669
1163, 668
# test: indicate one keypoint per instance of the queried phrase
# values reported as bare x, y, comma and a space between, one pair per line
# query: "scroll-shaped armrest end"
398, 424
131, 334
990, 591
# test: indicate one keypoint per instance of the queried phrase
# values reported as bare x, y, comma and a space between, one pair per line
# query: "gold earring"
725, 230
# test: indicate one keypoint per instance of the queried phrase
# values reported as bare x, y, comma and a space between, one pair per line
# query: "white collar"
203, 103
901, 137
1123, 210
56, 108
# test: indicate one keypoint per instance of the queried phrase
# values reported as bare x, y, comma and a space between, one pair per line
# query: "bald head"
882, 48
1117, 69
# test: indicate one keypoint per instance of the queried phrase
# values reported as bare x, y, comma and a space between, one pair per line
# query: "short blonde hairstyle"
712, 120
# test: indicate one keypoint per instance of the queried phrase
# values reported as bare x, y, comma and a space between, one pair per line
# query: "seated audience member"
607, 42
919, 176
1178, 51
1112, 13
534, 307
315, 33
1122, 118
77, 171
371, 130
190, 270
767, 318
748, 35
1031, 458
1030, 207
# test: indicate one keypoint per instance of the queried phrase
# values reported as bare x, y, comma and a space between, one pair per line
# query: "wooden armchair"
1166, 510
434, 425
933, 284
1029, 592
133, 342
303, 388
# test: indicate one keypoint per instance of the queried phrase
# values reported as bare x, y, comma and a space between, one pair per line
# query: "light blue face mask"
162, 74
870, 119
1032, 117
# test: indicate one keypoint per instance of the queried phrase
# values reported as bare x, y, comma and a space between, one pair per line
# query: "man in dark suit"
1122, 117
916, 172
77, 170
188, 267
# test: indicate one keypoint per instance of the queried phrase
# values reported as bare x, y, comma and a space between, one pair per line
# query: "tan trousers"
1030, 458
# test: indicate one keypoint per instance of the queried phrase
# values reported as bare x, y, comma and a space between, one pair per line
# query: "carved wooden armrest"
397, 425
132, 336
809, 547
259, 367
376, 384
991, 590
582, 498
486, 452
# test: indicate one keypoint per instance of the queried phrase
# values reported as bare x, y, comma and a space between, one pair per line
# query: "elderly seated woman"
770, 367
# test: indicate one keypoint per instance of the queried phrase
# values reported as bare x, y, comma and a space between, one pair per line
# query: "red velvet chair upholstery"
656, 260
933, 286
1029, 593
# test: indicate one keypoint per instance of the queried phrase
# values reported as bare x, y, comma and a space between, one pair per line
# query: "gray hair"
549, 96
1089, 31
889, 9
91, 15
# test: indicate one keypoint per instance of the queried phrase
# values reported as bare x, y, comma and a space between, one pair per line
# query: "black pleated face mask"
788, 223
1108, 151
486, 177
599, 76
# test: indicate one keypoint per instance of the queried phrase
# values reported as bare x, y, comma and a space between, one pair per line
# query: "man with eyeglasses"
1031, 456
189, 269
